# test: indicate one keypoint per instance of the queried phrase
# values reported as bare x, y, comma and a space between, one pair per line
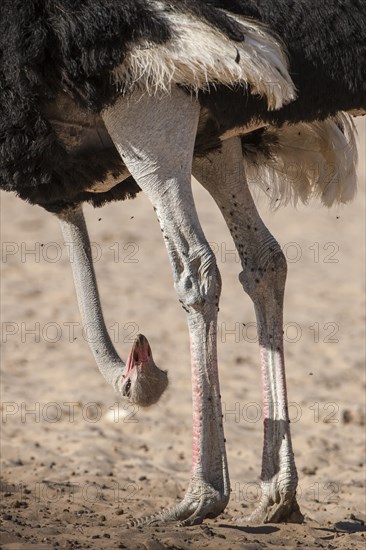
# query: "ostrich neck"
75, 232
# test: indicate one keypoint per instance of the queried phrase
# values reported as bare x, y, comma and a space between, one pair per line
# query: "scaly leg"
155, 138
263, 278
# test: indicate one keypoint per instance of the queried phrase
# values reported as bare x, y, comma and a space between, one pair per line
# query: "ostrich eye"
127, 388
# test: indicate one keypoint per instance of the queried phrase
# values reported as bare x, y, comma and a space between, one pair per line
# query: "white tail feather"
308, 160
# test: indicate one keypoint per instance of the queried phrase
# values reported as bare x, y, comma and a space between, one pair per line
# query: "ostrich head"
142, 382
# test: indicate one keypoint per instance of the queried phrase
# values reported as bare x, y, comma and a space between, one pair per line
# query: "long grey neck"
75, 233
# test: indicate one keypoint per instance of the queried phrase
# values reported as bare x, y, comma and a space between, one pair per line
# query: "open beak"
139, 356
142, 382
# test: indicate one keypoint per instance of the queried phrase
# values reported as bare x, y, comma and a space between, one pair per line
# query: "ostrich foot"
276, 508
196, 506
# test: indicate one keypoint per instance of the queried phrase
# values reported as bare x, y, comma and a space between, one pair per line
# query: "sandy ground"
77, 465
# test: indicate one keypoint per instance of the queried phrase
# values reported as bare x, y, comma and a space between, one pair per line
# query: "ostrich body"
104, 99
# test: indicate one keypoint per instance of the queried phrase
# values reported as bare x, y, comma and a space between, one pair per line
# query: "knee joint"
199, 284
263, 271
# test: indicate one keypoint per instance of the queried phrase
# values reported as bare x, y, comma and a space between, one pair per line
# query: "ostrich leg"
263, 278
155, 139
140, 380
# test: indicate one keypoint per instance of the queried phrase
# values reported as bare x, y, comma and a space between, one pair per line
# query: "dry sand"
78, 467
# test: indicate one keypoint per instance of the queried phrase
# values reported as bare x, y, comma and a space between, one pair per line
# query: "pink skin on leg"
263, 278
165, 179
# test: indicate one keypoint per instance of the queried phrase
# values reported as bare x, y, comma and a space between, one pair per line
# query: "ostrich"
100, 99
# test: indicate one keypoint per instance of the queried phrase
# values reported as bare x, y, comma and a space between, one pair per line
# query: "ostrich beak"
143, 382
140, 355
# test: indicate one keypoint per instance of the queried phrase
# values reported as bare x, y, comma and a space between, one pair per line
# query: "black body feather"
48, 47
